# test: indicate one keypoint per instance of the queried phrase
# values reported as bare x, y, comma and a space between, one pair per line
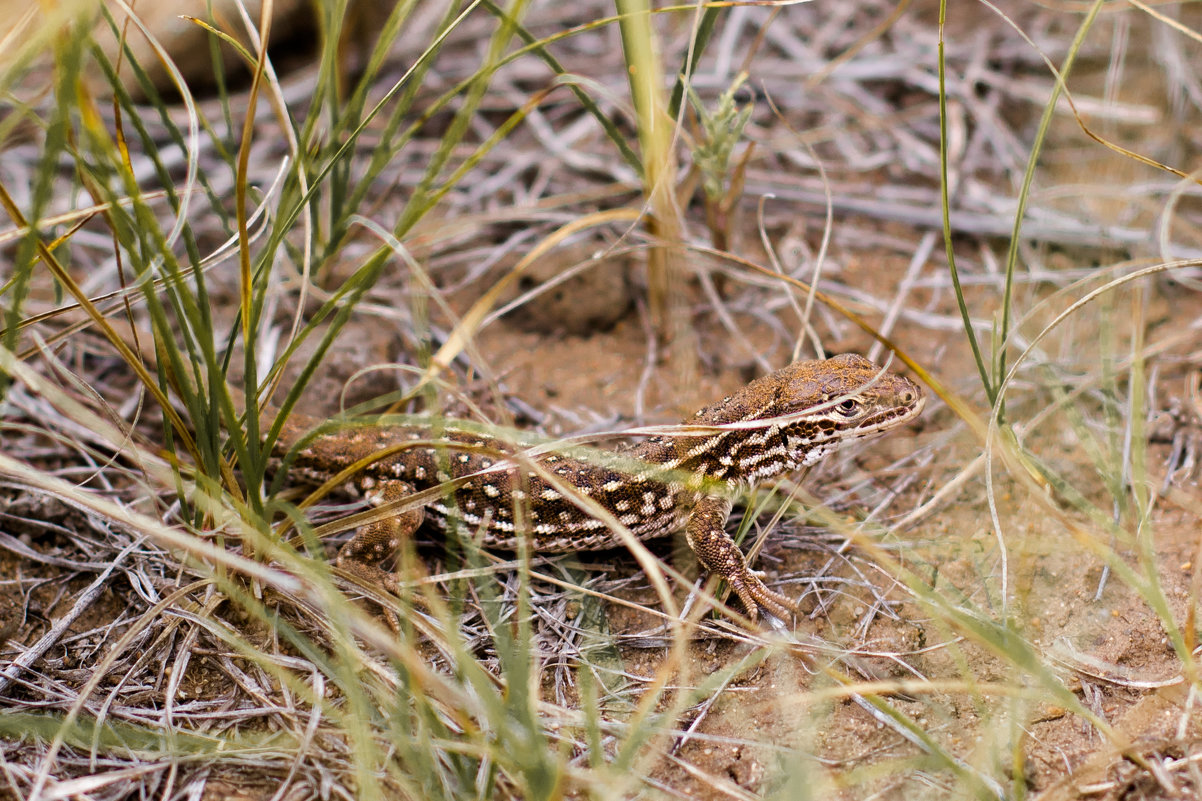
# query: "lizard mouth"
807, 444
889, 417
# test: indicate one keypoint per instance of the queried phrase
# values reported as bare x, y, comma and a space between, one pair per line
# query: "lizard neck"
728, 446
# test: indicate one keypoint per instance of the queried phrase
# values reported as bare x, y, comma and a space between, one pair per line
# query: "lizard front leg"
718, 553
379, 540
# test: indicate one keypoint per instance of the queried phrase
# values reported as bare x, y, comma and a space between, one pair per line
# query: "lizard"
779, 423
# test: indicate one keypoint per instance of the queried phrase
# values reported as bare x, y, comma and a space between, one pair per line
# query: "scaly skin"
777, 424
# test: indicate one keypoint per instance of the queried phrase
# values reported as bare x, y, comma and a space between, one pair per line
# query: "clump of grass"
720, 132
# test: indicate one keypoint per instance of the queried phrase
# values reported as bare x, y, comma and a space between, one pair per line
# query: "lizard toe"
756, 596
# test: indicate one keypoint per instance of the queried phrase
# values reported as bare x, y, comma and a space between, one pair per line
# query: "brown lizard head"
796, 416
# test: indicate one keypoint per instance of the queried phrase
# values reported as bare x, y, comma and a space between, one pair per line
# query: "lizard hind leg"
718, 553
379, 541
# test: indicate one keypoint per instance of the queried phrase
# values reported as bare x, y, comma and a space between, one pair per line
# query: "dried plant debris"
973, 619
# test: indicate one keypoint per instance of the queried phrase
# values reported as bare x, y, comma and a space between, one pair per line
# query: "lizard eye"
848, 408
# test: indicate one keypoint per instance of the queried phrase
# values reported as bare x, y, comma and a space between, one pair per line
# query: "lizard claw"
756, 596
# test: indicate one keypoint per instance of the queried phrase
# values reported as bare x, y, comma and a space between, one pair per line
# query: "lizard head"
794, 417
839, 400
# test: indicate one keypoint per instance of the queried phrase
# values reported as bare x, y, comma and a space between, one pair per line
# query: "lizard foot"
755, 596
372, 576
